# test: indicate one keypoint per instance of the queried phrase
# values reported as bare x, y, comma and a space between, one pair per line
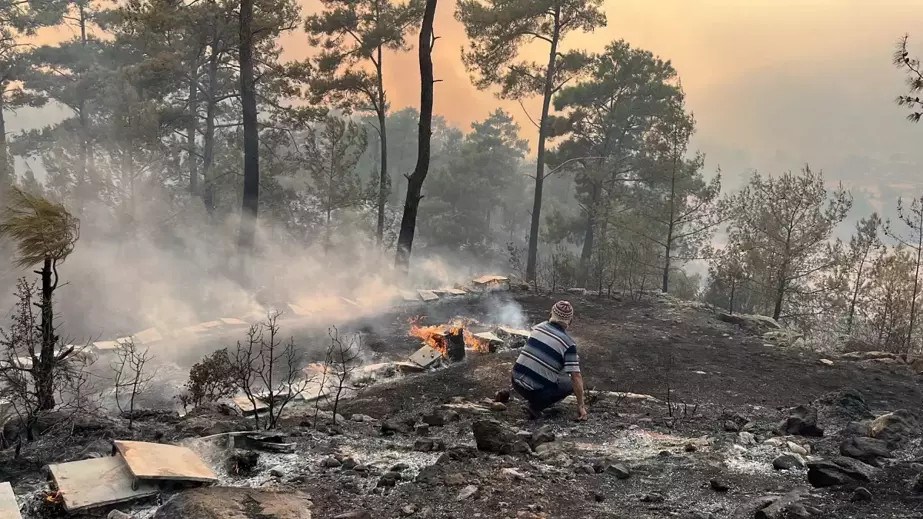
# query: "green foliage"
498, 29
210, 380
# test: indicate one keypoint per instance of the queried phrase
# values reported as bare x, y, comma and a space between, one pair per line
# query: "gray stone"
802, 421
719, 486
653, 497
358, 514
389, 479
867, 450
584, 468
493, 436
118, 514
838, 471
861, 494
277, 471
788, 462
467, 492
619, 471
896, 428
746, 438
330, 463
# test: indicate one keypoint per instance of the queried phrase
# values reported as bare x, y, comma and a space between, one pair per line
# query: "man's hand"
581, 414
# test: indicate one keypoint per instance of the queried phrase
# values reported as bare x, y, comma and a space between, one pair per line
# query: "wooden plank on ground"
97, 482
164, 462
246, 406
483, 280
428, 295
9, 508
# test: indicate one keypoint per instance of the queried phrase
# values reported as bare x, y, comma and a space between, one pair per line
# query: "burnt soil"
700, 371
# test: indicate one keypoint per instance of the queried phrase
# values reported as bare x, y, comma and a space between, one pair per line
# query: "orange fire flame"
434, 336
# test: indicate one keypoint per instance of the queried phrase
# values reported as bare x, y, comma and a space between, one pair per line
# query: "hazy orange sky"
773, 83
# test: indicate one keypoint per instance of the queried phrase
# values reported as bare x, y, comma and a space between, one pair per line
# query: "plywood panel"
160, 461
9, 508
97, 482
428, 295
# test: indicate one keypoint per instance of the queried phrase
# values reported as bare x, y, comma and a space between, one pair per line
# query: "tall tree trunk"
191, 129
6, 173
83, 172
383, 172
208, 150
415, 181
250, 203
780, 292
670, 229
540, 157
855, 294
587, 250
44, 374
916, 281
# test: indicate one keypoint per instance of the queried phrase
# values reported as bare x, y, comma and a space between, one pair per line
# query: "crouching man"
548, 369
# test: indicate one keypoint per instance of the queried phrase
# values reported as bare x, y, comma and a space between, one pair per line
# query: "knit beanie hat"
562, 312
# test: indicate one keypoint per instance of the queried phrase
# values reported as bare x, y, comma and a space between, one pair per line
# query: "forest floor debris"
662, 439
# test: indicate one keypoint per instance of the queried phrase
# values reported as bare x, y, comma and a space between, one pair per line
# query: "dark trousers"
541, 399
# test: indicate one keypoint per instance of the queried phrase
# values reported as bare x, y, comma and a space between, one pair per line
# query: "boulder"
788, 462
619, 471
861, 494
235, 503
390, 427
429, 445
493, 436
866, 450
389, 479
758, 324
848, 403
895, 428
838, 471
802, 421
544, 434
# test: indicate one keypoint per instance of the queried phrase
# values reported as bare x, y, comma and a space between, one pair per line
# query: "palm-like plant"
44, 233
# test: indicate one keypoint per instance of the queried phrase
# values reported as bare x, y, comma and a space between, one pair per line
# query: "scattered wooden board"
455, 291
97, 482
428, 295
164, 462
516, 331
483, 280
410, 296
246, 407
489, 337
425, 357
9, 508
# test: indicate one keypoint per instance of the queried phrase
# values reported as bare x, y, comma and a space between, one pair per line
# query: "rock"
454, 480
802, 421
826, 362
277, 472
493, 436
330, 463
746, 438
653, 497
619, 471
428, 445
399, 467
917, 483
497, 406
896, 428
117, 514
731, 426
467, 492
584, 468
719, 486
796, 449
349, 464
758, 324
786, 506
690, 447
838, 471
749, 508
458, 453
235, 503
421, 429
358, 514
788, 462
502, 396
544, 434
408, 510
243, 462
848, 403
861, 494
858, 429
390, 427
867, 450
361, 418
389, 479
513, 474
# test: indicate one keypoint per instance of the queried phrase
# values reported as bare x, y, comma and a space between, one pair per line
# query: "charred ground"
708, 380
